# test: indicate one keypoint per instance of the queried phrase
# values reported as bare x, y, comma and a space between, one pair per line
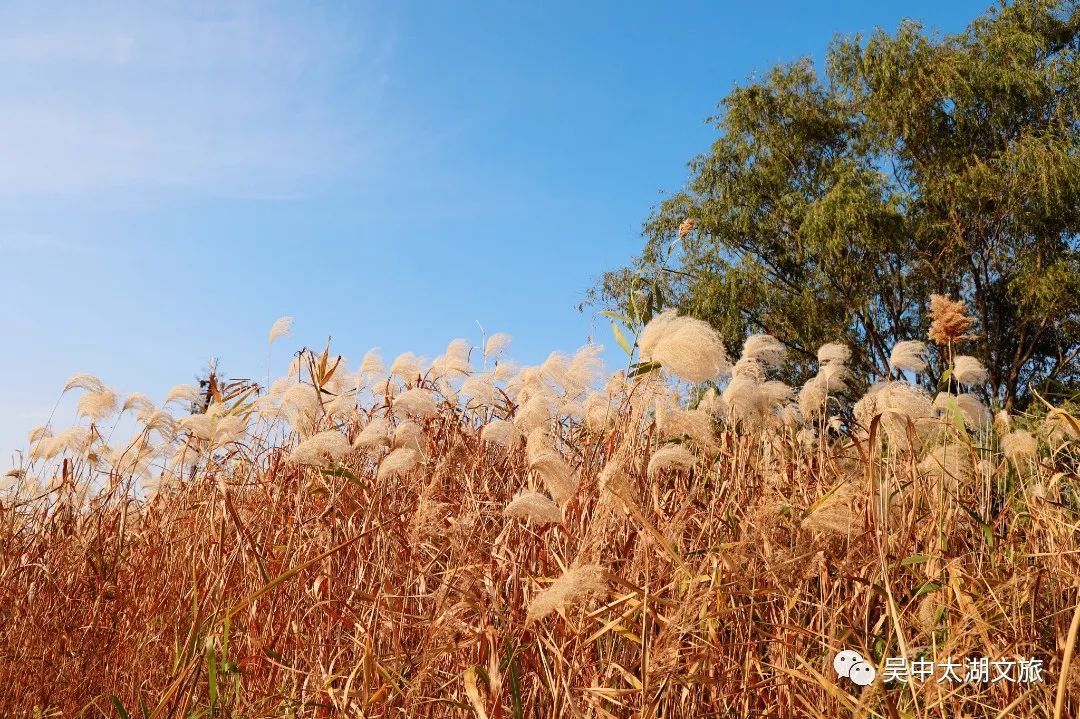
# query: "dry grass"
265, 559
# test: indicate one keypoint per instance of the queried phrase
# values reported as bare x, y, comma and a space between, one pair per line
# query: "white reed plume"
372, 364
813, 397
200, 426
948, 464
417, 402
406, 366
687, 347
183, 393
501, 432
455, 361
162, 423
549, 465
535, 413
969, 371
696, 424
140, 403
533, 506
281, 328
765, 349
585, 368
409, 434
38, 433
401, 461
671, 456
833, 352
375, 434
910, 356
321, 449
480, 390
574, 586
970, 408
74, 440
84, 381
496, 345
99, 405
748, 368
834, 513
1018, 446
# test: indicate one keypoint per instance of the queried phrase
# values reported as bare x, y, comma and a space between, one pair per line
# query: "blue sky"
175, 176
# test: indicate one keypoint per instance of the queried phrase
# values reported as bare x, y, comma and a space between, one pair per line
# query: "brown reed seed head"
688, 225
949, 320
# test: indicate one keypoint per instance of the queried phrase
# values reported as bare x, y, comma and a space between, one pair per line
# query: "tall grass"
465, 538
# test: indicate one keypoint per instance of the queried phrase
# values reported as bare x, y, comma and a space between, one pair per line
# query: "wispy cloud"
248, 99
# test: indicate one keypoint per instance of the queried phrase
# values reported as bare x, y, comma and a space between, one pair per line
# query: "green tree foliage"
832, 207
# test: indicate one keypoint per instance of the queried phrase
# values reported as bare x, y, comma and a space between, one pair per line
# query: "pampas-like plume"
480, 390
557, 476
585, 368
162, 423
228, 430
535, 506
418, 402
400, 461
534, 414
833, 352
282, 327
455, 360
74, 440
948, 464
555, 368
375, 434
409, 434
1058, 427
687, 347
765, 349
97, 406
183, 392
898, 403
504, 371
1002, 422
320, 449
88, 382
971, 409
1019, 445
671, 456
969, 371
834, 514
696, 424
496, 344
751, 403
949, 320
301, 405
500, 431
575, 585
790, 416
748, 368
599, 411
140, 403
38, 433
813, 397
406, 366
550, 466
200, 426
909, 356
686, 227
372, 364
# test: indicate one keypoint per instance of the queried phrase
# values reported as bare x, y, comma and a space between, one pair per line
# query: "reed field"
462, 537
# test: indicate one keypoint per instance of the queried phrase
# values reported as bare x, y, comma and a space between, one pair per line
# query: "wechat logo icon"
852, 666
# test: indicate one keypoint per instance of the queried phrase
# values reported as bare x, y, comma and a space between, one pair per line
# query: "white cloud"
249, 100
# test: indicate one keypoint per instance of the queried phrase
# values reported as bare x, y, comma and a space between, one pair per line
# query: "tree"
832, 208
